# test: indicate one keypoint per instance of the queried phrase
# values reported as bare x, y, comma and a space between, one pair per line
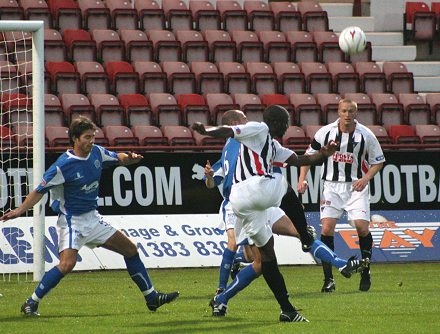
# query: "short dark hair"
275, 113
79, 126
230, 116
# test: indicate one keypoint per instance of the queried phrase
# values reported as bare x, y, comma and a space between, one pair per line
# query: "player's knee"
67, 265
131, 250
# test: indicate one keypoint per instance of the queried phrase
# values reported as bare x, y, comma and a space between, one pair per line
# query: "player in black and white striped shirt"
346, 175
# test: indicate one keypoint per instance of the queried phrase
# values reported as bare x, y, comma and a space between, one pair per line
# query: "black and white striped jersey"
258, 151
357, 151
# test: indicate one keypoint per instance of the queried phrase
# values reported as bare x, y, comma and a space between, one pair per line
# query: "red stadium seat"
403, 134
118, 135
123, 15
281, 100
122, 76
108, 110
110, 46
137, 109
151, 16
236, 78
345, 79
149, 135
80, 45
249, 48
381, 134
295, 136
16, 109
232, 15
221, 46
93, 77
165, 109
372, 78
398, 78
194, 109
433, 99
389, 110
328, 47
218, 104
54, 48
251, 105
180, 78
290, 78
318, 80
95, 14
314, 18
194, 47
53, 111
429, 133
75, 105
264, 81
366, 110
208, 78
178, 135
64, 77
166, 47
259, 15
307, 110
303, 46
177, 14
57, 136
66, 14
287, 17
416, 110
276, 47
329, 106
37, 10
418, 23
137, 45
7, 137
205, 16
152, 79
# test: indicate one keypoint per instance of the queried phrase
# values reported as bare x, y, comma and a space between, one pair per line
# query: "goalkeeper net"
21, 144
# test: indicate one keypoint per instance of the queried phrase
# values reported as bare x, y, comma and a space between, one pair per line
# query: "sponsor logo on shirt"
343, 157
91, 187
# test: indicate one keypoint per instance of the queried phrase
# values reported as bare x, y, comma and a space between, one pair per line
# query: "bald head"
234, 117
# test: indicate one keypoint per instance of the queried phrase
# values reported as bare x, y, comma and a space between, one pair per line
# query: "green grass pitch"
404, 298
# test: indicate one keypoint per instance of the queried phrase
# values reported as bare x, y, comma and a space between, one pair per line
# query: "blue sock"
325, 254
47, 283
139, 275
239, 256
225, 268
242, 280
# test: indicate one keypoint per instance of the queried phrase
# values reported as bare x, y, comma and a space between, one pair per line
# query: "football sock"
239, 256
139, 275
225, 268
242, 280
293, 209
47, 283
275, 281
325, 254
366, 246
328, 240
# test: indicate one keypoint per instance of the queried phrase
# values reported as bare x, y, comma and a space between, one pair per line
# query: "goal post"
36, 28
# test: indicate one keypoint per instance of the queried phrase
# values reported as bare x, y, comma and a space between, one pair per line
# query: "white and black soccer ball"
352, 40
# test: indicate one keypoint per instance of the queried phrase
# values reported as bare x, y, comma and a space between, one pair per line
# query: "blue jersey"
74, 181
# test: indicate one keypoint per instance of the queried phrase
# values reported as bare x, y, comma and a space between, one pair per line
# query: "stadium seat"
7, 137
37, 10
416, 111
100, 138
18, 41
119, 135
75, 105
177, 14
389, 110
178, 135
314, 18
194, 47
151, 16
208, 78
180, 78
108, 110
152, 78
205, 16
249, 48
307, 110
281, 100
260, 17
93, 77
95, 14
366, 55
80, 45
57, 136
318, 80
218, 104
251, 105
149, 135
328, 47
345, 79
16, 109
372, 78
24, 69
311, 131
287, 17
123, 15
429, 133
303, 46
123, 78
433, 99
381, 134
165, 109
221, 46
329, 106
264, 81
295, 136
54, 48
232, 15
398, 78
418, 23
64, 78
53, 111
276, 47
290, 78
23, 134
366, 110
202, 140
166, 47
137, 109
403, 134
110, 47
9, 80
236, 78
194, 109
435, 8
66, 14
137, 45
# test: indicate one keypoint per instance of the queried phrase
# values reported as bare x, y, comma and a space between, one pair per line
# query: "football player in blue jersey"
73, 181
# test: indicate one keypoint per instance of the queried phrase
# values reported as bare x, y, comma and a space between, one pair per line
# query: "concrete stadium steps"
339, 23
394, 53
385, 38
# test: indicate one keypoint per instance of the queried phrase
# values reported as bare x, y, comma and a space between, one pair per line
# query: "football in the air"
352, 40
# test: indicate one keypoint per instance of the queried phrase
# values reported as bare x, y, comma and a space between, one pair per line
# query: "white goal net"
21, 142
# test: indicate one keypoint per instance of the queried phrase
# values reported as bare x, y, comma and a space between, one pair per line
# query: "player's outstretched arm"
129, 158
215, 131
313, 159
33, 198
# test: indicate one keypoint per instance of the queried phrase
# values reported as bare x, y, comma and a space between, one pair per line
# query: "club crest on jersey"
237, 130
97, 164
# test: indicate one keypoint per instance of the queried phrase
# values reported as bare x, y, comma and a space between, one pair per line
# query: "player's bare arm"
360, 184
130, 158
216, 131
314, 159
33, 198
209, 174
